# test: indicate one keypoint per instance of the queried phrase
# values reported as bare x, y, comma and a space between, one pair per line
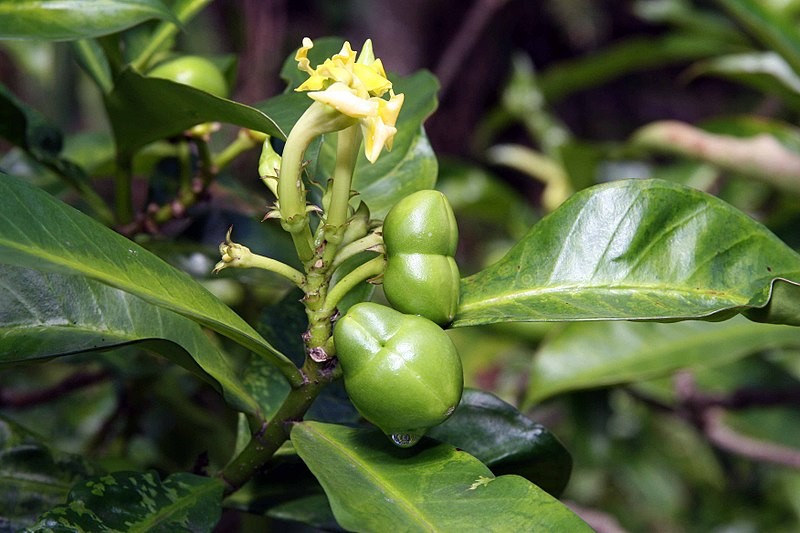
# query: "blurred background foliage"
696, 426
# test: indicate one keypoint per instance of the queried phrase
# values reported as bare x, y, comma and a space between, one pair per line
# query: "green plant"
249, 417
402, 372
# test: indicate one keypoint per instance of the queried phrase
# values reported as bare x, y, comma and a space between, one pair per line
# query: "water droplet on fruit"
405, 440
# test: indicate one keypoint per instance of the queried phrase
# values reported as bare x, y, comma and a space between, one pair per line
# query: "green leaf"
775, 31
601, 354
45, 315
634, 54
133, 501
506, 441
312, 510
636, 249
765, 71
38, 231
143, 110
61, 20
33, 477
23, 126
375, 486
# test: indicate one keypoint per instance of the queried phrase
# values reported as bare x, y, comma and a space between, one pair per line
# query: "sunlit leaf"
638, 249
61, 20
38, 231
374, 486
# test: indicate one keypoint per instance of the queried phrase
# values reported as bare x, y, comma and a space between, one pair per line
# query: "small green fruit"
195, 71
402, 372
420, 235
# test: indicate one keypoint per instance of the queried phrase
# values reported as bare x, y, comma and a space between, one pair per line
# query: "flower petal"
341, 97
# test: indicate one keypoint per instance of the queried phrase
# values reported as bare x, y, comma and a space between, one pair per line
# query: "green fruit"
402, 372
420, 235
195, 71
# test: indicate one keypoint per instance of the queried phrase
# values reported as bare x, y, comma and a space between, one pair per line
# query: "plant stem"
244, 141
368, 242
167, 30
348, 143
370, 269
266, 441
267, 263
123, 188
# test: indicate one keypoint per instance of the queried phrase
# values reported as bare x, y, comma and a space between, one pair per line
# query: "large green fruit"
420, 235
402, 372
195, 71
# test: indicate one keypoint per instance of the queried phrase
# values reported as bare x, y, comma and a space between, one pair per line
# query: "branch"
79, 380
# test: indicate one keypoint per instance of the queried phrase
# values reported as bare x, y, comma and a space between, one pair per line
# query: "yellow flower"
355, 87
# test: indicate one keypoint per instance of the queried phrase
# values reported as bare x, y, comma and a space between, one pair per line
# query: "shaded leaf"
61, 20
143, 110
637, 249
38, 231
45, 315
25, 127
313, 510
33, 477
133, 501
634, 54
600, 354
375, 486
506, 441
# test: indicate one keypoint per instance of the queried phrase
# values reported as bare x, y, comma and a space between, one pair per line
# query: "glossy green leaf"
506, 441
33, 477
775, 31
637, 249
133, 501
143, 110
45, 315
375, 486
62, 20
600, 354
38, 231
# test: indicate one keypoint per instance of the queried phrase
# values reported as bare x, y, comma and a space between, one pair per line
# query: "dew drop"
405, 440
